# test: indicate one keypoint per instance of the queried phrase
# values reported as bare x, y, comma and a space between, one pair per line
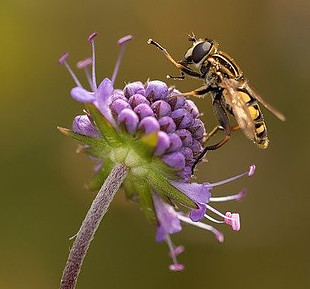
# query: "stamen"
212, 219
219, 236
236, 197
63, 60
122, 42
175, 266
249, 173
233, 220
177, 251
215, 211
124, 39
91, 40
92, 36
252, 170
84, 64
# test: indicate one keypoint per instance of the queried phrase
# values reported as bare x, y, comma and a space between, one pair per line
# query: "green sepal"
108, 132
97, 147
162, 168
139, 187
98, 179
164, 188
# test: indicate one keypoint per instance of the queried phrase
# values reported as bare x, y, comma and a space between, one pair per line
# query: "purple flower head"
158, 135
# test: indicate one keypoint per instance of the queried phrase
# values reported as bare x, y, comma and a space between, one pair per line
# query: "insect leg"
199, 92
235, 127
180, 66
224, 125
181, 77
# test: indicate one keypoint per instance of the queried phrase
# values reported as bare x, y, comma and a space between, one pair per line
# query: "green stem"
90, 224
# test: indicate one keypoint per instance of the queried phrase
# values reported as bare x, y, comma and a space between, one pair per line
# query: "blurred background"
43, 200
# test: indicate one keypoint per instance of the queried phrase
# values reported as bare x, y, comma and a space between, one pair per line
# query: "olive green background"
42, 197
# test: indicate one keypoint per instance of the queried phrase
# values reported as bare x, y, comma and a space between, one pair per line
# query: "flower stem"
90, 224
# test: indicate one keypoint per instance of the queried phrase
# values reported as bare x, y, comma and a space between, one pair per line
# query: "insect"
230, 91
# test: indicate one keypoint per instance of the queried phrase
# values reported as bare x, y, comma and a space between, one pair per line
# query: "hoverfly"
230, 91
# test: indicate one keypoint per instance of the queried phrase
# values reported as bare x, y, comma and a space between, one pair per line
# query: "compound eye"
200, 51
188, 56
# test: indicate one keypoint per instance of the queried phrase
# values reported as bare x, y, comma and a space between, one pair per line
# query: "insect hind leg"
211, 147
215, 146
224, 125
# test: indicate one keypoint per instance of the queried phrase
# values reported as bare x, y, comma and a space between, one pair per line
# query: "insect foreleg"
179, 65
181, 77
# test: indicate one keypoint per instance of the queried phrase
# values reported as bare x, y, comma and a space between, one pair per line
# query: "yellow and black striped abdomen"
260, 133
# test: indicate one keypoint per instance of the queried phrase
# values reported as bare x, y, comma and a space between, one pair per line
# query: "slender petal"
82, 95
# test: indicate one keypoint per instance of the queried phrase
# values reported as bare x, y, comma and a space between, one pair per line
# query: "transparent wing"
254, 94
240, 109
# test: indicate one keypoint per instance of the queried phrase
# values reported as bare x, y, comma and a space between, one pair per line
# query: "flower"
158, 135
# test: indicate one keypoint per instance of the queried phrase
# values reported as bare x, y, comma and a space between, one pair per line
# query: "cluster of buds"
158, 135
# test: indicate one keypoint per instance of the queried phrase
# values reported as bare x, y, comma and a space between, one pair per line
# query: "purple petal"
199, 193
167, 218
134, 88
163, 143
176, 102
104, 92
176, 142
118, 105
137, 99
149, 124
197, 129
198, 214
191, 107
98, 165
161, 108
128, 118
186, 173
82, 95
167, 124
160, 234
188, 153
118, 94
185, 136
104, 99
156, 90
143, 110
175, 160
82, 125
196, 147
182, 118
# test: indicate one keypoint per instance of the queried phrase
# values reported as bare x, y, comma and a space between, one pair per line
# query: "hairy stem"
90, 224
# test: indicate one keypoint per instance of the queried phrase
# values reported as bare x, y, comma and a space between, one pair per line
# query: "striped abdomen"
259, 133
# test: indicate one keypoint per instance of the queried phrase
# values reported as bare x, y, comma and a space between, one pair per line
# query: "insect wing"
255, 95
240, 110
